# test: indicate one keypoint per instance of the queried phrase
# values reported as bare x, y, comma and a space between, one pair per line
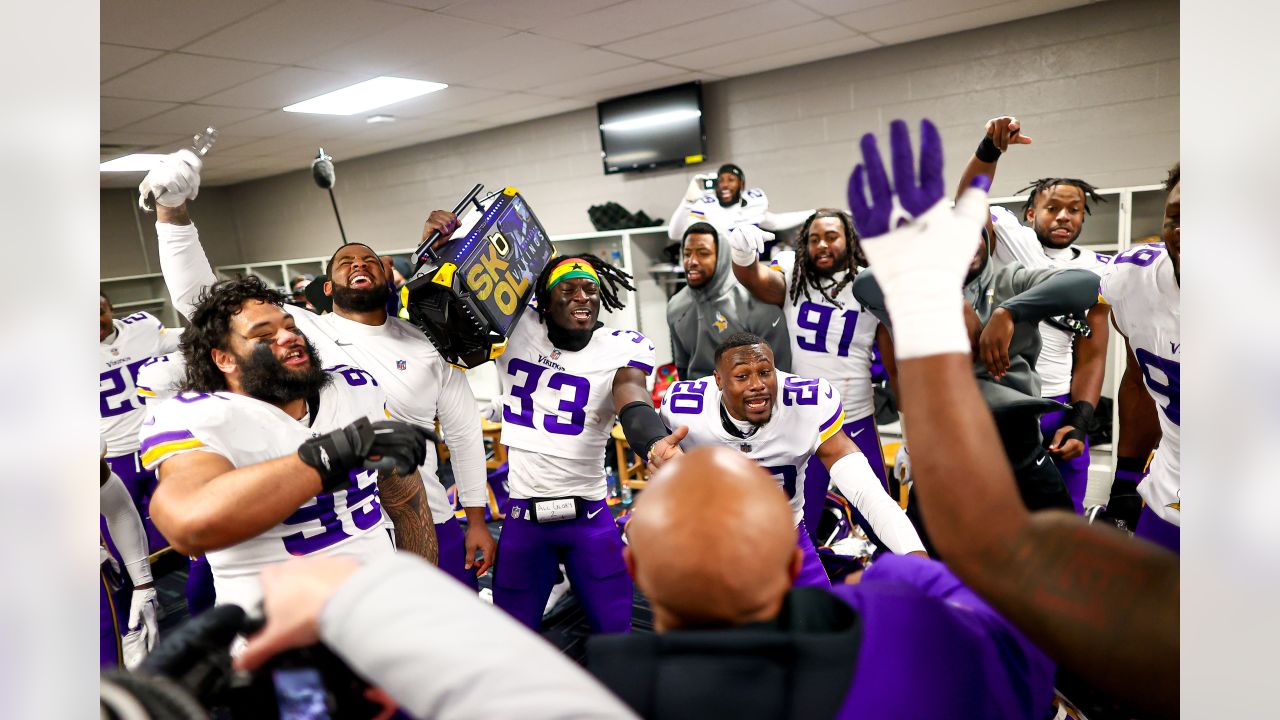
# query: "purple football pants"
1075, 473
589, 547
1158, 530
115, 594
816, 478
141, 484
812, 574
453, 553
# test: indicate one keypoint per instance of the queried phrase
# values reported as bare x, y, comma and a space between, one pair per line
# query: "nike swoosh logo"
595, 513
857, 433
1041, 461
339, 343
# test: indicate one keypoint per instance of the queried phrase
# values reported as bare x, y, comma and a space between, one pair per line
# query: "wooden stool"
890, 452
630, 474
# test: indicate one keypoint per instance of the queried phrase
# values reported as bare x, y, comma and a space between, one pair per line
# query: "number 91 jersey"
805, 413
247, 431
1144, 297
559, 402
829, 342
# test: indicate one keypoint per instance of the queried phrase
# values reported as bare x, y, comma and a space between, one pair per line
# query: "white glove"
143, 628
493, 411
696, 191
902, 465
746, 242
174, 180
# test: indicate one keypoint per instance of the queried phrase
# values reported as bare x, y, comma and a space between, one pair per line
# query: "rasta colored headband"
572, 268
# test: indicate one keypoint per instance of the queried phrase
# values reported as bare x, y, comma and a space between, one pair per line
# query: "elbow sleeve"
641, 426
858, 482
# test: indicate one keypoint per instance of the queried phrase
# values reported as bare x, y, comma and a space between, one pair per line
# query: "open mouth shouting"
296, 357
757, 404
359, 280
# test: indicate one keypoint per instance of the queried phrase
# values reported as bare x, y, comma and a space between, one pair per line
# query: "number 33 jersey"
247, 431
829, 342
1144, 298
558, 404
805, 413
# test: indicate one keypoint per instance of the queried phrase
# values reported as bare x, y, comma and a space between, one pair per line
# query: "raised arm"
746, 242
174, 182
1001, 134
681, 218
1101, 604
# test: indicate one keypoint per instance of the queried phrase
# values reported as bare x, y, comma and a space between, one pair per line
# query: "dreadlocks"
1090, 192
805, 276
611, 281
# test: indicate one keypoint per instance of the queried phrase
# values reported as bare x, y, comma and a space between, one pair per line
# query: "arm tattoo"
405, 500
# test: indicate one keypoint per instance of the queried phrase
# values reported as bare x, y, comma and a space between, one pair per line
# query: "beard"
264, 378
361, 300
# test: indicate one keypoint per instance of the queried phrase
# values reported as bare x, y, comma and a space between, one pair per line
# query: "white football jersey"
247, 431
1144, 298
1017, 243
159, 377
138, 338
420, 386
559, 405
829, 342
805, 413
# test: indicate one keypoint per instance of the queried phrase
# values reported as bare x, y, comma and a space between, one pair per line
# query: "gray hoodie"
700, 318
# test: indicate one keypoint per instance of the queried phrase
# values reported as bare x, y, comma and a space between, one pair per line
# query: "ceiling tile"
116, 59
524, 14
133, 142
634, 17
815, 33
980, 17
612, 80
799, 56
831, 8
424, 4
767, 17
164, 25
451, 98
495, 57
192, 119
276, 122
907, 12
524, 75
182, 78
296, 29
283, 87
115, 113
414, 41
497, 107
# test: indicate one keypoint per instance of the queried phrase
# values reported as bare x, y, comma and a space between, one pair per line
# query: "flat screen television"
658, 128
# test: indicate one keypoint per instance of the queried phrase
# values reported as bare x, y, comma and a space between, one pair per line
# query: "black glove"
386, 445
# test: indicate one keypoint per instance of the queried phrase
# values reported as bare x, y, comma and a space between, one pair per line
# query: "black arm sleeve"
869, 295
1062, 292
642, 427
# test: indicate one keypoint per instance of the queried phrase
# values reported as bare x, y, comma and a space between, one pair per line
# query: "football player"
419, 384
739, 407
124, 639
565, 376
1143, 287
1072, 360
265, 455
729, 205
124, 344
831, 338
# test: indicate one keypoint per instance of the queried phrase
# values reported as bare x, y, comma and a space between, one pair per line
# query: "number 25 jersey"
559, 403
805, 413
1144, 298
139, 337
247, 431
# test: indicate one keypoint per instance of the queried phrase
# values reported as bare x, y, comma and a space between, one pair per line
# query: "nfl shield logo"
515, 513
555, 354
114, 352
401, 364
745, 447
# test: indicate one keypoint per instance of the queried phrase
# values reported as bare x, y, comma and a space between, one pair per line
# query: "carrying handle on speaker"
425, 251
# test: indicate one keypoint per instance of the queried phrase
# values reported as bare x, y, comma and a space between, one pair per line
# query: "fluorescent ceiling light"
365, 95
648, 121
137, 162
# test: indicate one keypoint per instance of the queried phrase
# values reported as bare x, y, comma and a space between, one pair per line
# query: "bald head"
712, 542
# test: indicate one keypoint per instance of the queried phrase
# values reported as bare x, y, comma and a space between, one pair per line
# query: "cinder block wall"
1096, 87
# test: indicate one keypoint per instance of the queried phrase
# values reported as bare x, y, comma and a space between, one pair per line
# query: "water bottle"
626, 496
611, 479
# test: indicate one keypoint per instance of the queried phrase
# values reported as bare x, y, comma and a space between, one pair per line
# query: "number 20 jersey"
1144, 298
829, 342
247, 431
805, 413
558, 404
